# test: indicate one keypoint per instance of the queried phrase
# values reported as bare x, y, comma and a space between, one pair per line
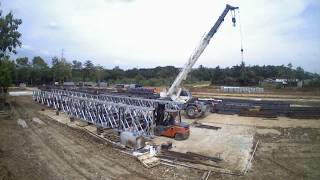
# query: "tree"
132, 72
99, 72
40, 71
289, 71
61, 70
281, 72
116, 73
139, 79
77, 71
88, 71
6, 71
299, 73
217, 75
9, 41
22, 61
9, 34
38, 62
23, 70
76, 64
243, 80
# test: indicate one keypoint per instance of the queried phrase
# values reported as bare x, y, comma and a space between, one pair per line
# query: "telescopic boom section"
174, 89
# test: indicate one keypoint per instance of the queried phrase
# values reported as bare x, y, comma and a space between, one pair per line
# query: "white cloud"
26, 47
144, 33
53, 25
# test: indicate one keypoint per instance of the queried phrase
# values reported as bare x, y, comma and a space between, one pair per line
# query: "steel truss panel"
169, 105
92, 109
153, 103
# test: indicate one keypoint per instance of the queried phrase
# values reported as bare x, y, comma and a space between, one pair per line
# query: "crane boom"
174, 89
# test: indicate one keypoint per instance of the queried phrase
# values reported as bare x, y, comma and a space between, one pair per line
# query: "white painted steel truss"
134, 101
93, 109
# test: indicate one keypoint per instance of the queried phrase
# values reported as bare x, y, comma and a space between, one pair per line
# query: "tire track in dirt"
52, 160
74, 154
93, 161
74, 147
64, 155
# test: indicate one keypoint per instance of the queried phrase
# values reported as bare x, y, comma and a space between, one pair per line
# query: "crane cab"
182, 95
185, 95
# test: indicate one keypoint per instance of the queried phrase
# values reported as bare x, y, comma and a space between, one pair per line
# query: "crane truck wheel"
191, 112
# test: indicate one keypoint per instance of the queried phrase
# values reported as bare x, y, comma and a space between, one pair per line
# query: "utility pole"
62, 53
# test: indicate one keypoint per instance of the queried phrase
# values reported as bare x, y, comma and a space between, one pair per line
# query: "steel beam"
135, 101
95, 110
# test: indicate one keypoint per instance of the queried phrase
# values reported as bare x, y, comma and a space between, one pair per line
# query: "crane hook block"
234, 21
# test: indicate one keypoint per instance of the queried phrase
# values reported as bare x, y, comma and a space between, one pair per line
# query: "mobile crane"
195, 107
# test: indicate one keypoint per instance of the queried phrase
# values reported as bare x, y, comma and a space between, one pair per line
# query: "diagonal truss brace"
93, 109
135, 101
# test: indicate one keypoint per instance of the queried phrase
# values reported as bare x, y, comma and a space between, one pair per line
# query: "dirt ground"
288, 148
33, 146
233, 144
41, 148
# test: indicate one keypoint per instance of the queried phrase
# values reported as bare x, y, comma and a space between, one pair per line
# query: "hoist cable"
241, 36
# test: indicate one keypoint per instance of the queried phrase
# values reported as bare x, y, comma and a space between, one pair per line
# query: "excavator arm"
175, 90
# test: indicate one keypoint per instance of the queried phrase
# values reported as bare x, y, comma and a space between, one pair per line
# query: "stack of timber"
190, 157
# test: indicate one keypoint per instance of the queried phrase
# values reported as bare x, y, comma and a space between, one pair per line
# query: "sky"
150, 33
